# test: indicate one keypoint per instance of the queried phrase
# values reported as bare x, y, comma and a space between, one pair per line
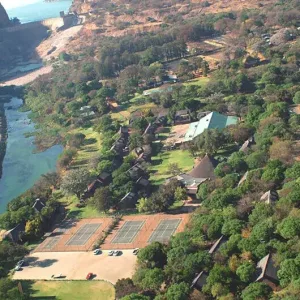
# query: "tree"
274, 171
34, 227
289, 227
256, 291
180, 194
136, 140
10, 291
178, 291
143, 205
75, 181
174, 169
154, 255
282, 150
102, 199
289, 270
125, 287
232, 226
149, 279
296, 98
245, 271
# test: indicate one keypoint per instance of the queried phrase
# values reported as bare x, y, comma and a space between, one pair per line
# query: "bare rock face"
4, 19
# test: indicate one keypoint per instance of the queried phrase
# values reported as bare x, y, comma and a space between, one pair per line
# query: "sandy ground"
27, 78
76, 265
177, 134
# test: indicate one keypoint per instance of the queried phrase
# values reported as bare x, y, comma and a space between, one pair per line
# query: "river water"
21, 166
39, 11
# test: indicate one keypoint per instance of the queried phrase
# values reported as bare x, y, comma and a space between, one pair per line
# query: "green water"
21, 167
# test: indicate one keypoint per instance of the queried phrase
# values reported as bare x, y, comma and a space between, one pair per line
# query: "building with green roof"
214, 120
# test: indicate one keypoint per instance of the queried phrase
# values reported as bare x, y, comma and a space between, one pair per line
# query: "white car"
18, 268
111, 253
117, 253
97, 251
135, 251
19, 265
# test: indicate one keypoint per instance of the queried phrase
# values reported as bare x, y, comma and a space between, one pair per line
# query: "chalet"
144, 184
205, 168
150, 129
267, 271
269, 197
15, 234
86, 111
247, 145
105, 178
136, 171
182, 117
214, 120
243, 179
162, 117
128, 201
124, 132
250, 61
146, 155
199, 281
216, 246
38, 205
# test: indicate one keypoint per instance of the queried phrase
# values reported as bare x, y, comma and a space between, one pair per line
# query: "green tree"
102, 199
34, 227
136, 140
246, 271
178, 291
256, 291
143, 205
75, 181
149, 279
125, 286
180, 194
174, 169
154, 255
10, 291
135, 297
289, 270
296, 98
289, 227
232, 226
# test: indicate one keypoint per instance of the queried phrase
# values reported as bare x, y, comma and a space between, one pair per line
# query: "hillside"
4, 20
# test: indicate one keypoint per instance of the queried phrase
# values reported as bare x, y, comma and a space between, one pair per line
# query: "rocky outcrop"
4, 19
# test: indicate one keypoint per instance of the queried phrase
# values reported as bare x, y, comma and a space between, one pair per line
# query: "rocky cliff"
4, 19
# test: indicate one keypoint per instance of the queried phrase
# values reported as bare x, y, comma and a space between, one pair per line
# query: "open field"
76, 265
70, 290
160, 163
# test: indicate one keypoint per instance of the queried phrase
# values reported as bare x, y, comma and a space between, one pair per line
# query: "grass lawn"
159, 167
79, 213
202, 81
91, 147
72, 290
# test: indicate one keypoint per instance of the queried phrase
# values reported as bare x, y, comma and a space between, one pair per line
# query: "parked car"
111, 253
117, 253
89, 276
18, 268
19, 265
57, 276
136, 251
97, 251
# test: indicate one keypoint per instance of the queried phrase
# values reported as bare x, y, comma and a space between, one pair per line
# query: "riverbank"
22, 166
3, 135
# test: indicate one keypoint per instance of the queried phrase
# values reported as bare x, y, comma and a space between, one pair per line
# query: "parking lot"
76, 265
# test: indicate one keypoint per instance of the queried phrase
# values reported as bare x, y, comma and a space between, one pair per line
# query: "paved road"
76, 265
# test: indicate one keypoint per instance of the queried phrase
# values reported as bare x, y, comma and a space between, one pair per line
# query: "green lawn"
91, 147
202, 81
79, 213
159, 167
71, 290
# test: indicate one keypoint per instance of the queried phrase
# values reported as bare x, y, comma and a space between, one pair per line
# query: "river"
39, 10
21, 166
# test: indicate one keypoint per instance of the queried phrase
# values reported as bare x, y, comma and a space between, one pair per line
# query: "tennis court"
83, 234
51, 242
128, 232
164, 231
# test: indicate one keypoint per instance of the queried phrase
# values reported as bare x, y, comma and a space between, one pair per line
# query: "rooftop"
205, 168
214, 120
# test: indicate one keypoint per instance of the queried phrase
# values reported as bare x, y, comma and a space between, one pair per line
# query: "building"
182, 117
128, 201
38, 205
205, 168
247, 145
216, 246
15, 234
199, 281
243, 179
214, 120
267, 271
269, 197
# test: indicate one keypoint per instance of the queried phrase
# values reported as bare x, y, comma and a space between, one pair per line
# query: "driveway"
76, 265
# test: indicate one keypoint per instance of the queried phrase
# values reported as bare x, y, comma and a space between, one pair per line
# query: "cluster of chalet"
15, 234
266, 270
137, 171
